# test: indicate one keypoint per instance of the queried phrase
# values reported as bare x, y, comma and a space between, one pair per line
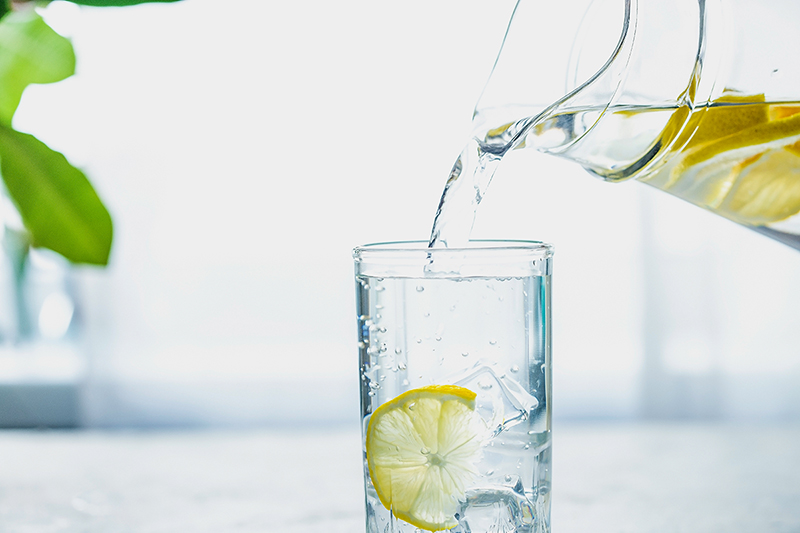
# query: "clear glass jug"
699, 98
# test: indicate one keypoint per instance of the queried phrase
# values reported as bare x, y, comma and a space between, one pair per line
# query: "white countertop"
607, 478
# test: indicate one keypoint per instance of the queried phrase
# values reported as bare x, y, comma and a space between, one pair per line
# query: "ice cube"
499, 509
502, 403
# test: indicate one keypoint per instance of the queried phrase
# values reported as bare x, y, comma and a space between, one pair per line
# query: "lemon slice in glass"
422, 448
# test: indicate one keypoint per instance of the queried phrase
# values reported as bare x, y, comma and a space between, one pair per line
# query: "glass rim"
544, 249
481, 259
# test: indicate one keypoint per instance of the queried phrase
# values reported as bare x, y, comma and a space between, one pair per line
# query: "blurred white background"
244, 147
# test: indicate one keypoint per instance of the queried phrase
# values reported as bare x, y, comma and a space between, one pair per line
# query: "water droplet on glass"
464, 354
508, 478
405, 383
438, 337
493, 342
489, 472
426, 314
420, 288
419, 341
484, 385
526, 447
514, 369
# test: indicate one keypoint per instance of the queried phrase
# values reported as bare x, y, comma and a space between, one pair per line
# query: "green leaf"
118, 3
30, 52
57, 203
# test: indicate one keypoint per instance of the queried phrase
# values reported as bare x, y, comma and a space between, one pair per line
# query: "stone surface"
607, 478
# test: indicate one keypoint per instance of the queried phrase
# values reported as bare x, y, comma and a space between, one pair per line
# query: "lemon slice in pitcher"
422, 448
751, 175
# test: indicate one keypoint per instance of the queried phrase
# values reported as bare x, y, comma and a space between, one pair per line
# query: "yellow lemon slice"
422, 448
743, 161
767, 190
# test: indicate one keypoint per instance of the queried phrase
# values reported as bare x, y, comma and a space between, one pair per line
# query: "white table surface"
607, 478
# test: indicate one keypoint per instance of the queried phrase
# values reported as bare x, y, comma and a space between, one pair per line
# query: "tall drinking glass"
455, 370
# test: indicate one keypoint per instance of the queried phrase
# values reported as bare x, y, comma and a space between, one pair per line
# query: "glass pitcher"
699, 98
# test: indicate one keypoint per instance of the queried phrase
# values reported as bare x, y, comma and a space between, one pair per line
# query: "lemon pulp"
422, 448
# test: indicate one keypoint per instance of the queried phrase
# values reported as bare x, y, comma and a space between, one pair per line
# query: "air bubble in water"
401, 365
419, 341
493, 342
464, 354
398, 350
484, 385
420, 288
438, 337
514, 369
